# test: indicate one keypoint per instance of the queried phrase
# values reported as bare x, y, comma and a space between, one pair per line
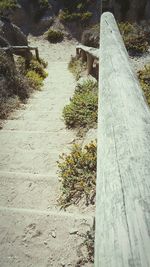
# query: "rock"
91, 135
91, 37
84, 79
53, 234
73, 231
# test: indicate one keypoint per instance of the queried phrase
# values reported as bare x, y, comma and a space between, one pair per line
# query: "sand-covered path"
33, 230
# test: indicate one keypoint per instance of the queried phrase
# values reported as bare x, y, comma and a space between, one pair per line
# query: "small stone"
45, 242
53, 234
73, 232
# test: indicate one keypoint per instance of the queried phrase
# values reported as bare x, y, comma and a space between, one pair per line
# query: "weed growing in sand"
34, 72
54, 36
78, 175
83, 108
144, 78
77, 67
135, 39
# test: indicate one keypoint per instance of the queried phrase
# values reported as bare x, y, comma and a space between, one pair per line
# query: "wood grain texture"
123, 171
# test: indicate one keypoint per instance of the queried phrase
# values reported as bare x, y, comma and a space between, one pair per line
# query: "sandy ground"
33, 230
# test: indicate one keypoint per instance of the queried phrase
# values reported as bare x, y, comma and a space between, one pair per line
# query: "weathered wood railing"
123, 167
17, 49
88, 54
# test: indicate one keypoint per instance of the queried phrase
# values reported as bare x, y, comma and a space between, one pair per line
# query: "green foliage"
135, 39
77, 67
35, 80
34, 72
7, 5
66, 16
83, 108
54, 36
78, 175
34, 65
87, 247
144, 78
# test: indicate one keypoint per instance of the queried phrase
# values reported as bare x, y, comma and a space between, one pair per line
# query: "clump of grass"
87, 246
83, 108
77, 67
7, 5
78, 175
144, 78
134, 38
54, 36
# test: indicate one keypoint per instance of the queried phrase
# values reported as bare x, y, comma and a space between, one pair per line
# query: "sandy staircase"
33, 230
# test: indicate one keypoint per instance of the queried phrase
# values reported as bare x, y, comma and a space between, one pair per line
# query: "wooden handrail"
88, 54
122, 235
14, 49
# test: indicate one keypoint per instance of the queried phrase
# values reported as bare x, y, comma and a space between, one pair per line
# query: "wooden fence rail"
16, 49
88, 54
122, 236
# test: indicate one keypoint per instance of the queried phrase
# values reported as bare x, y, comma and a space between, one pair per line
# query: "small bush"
144, 78
66, 16
135, 39
34, 72
35, 80
78, 175
7, 5
54, 36
83, 108
77, 67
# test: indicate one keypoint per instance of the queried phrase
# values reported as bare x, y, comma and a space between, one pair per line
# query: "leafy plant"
144, 78
82, 110
7, 5
35, 80
78, 175
77, 67
34, 71
135, 39
54, 36
75, 16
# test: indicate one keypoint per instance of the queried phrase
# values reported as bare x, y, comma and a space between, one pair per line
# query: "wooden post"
83, 56
90, 61
122, 236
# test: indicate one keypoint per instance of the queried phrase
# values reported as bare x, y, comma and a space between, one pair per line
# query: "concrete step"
26, 190
33, 125
36, 141
28, 161
35, 238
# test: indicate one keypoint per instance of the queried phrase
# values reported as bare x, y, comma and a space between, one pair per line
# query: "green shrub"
144, 78
77, 67
7, 5
135, 39
66, 16
38, 68
54, 36
35, 80
78, 175
83, 108
34, 71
